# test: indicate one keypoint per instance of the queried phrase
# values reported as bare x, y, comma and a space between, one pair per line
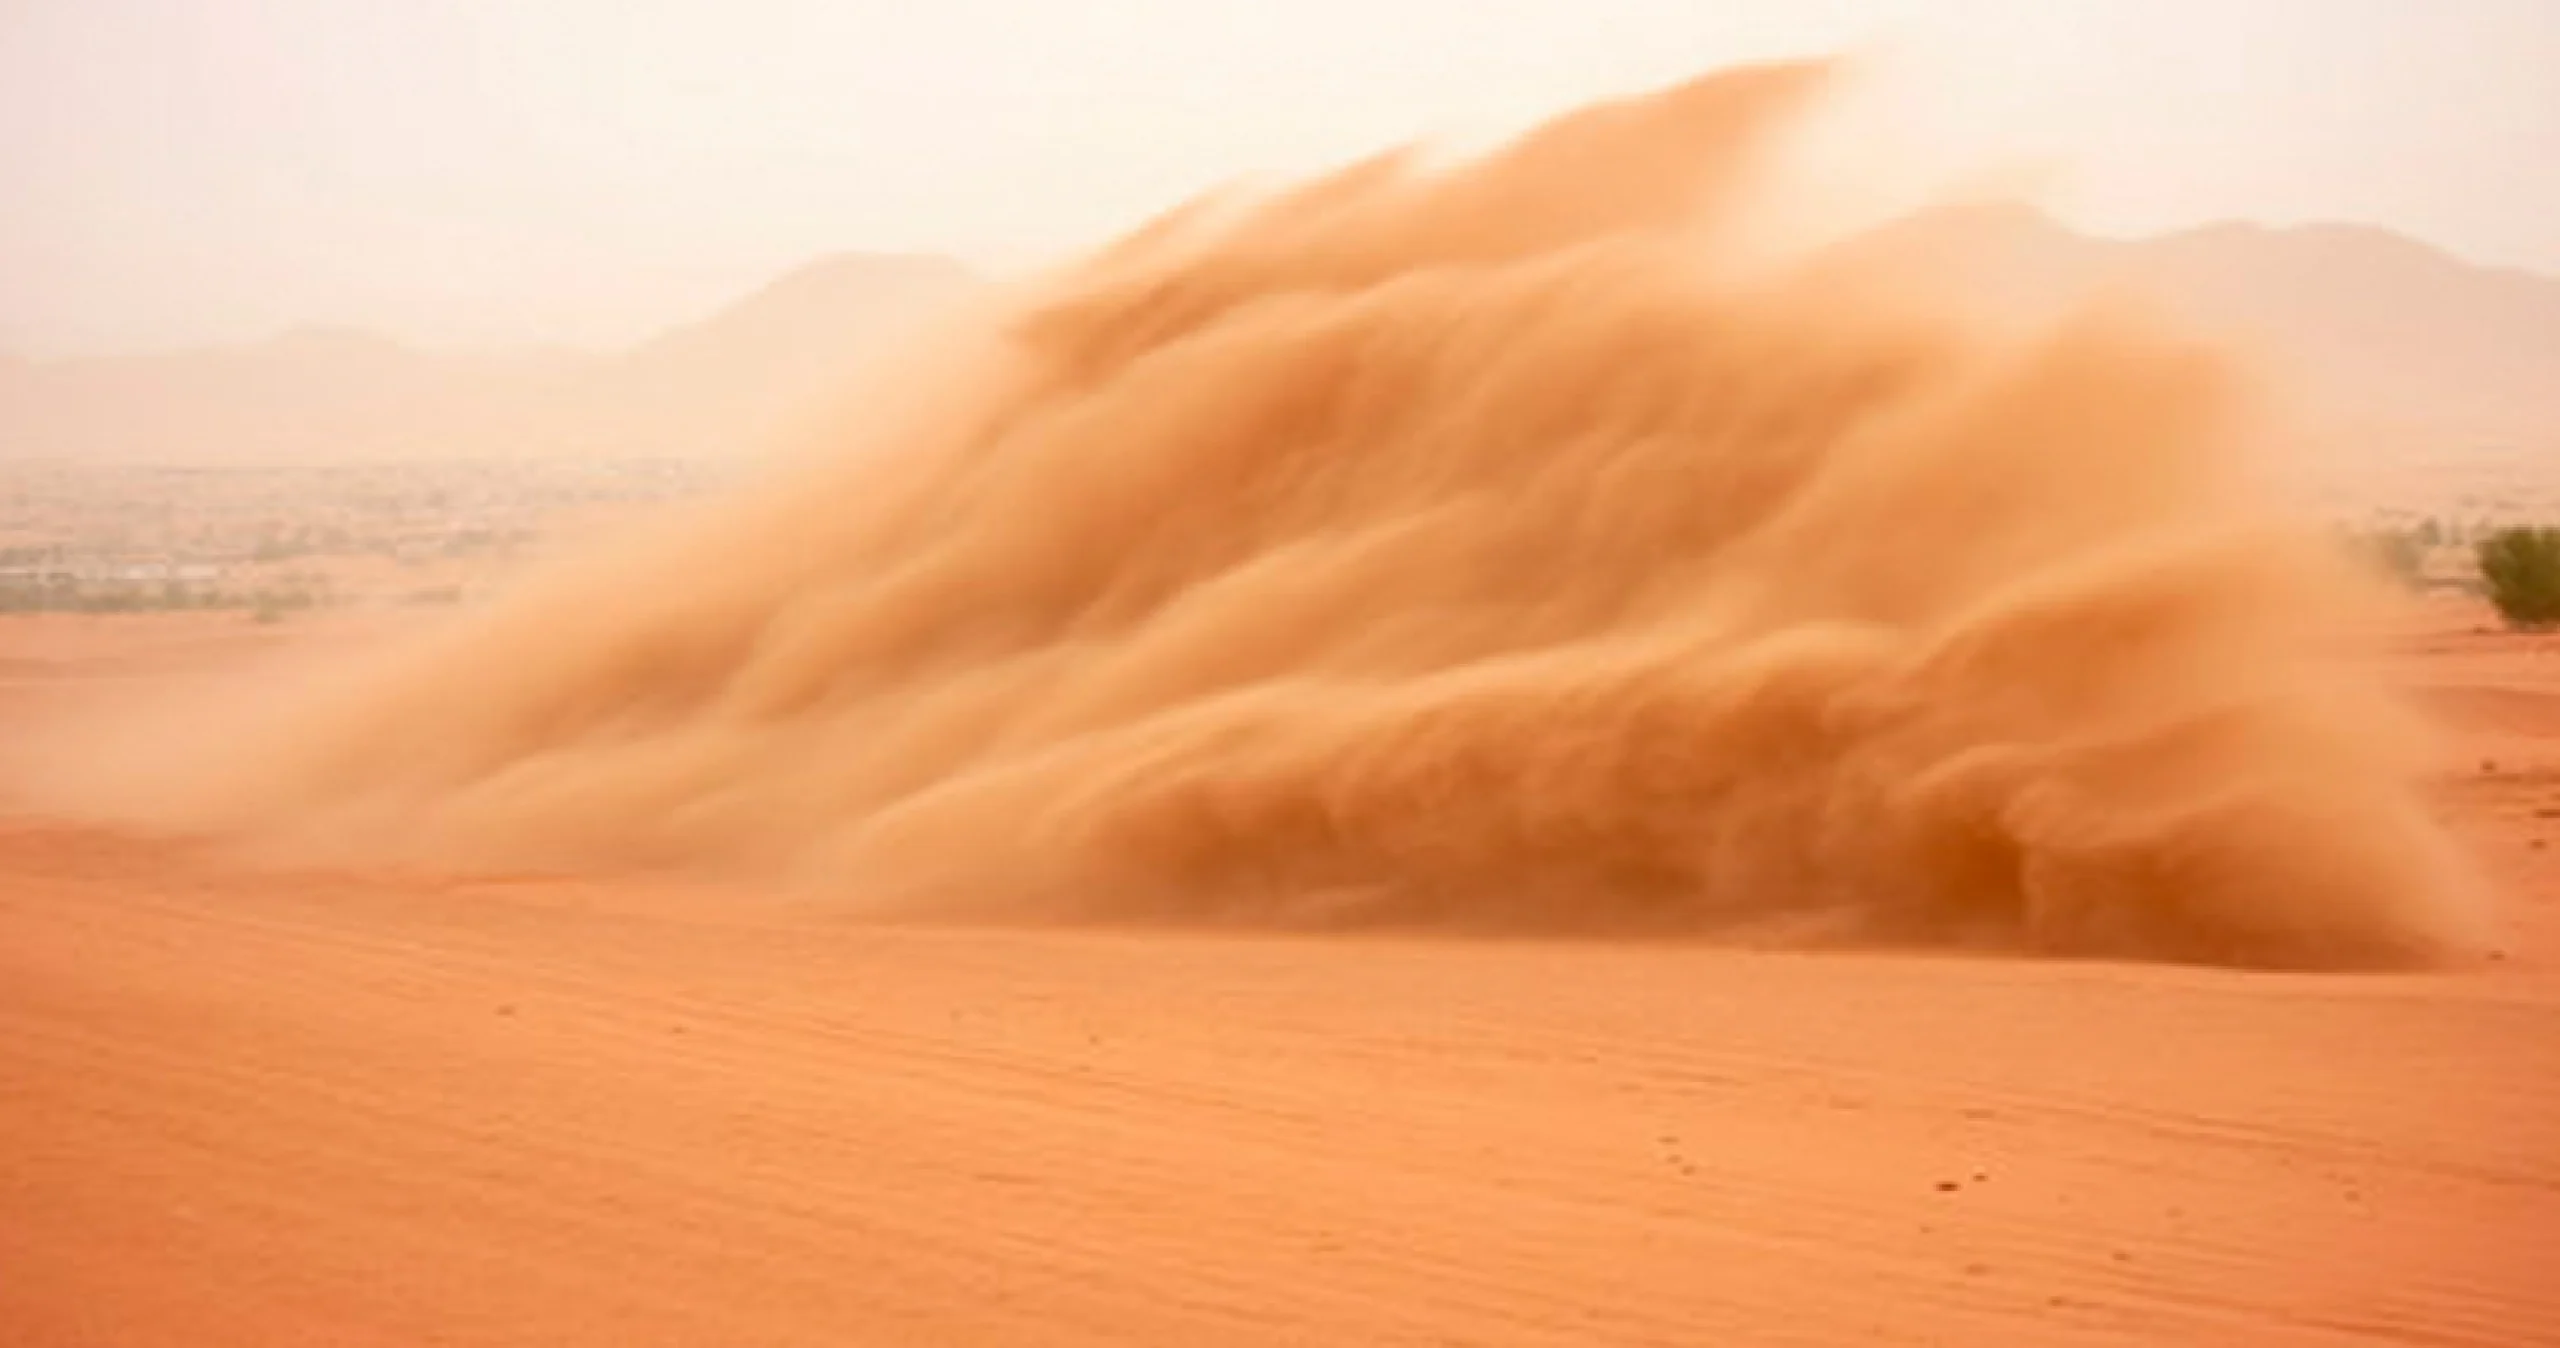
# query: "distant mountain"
2388, 342
781, 351
2409, 356
328, 395
2384, 329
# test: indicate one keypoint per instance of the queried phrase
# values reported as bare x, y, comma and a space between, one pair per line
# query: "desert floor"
354, 1108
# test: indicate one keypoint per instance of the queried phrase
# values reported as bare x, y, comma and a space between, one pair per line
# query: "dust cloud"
1455, 546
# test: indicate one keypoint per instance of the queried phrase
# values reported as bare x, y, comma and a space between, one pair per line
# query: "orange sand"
1443, 550
1498, 546
365, 1107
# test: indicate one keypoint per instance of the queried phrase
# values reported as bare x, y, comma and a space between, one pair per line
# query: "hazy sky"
496, 172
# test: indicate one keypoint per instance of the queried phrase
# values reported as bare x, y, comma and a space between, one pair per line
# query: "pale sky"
487, 173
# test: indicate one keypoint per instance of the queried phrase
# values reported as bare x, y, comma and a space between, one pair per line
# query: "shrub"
2521, 570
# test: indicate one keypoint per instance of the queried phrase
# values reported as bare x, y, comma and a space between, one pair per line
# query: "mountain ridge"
2401, 343
330, 393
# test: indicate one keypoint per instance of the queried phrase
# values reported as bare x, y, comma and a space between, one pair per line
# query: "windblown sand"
362, 1106
1437, 550
1516, 544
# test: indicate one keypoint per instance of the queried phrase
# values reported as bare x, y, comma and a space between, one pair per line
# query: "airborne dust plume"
1457, 546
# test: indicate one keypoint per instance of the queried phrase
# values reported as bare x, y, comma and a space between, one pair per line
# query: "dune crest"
1459, 547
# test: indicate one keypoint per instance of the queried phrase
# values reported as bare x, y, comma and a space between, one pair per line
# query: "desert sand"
1437, 757
367, 1106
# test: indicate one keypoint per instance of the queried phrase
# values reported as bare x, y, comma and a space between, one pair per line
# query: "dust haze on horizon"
465, 174
1508, 544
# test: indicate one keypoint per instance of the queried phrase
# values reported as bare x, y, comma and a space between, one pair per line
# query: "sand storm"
1460, 546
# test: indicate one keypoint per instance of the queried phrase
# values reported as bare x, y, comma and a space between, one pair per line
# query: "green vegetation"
2520, 568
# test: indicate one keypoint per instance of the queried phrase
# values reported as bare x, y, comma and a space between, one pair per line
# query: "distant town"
111, 538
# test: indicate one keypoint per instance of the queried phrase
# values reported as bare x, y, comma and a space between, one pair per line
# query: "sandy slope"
353, 1109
